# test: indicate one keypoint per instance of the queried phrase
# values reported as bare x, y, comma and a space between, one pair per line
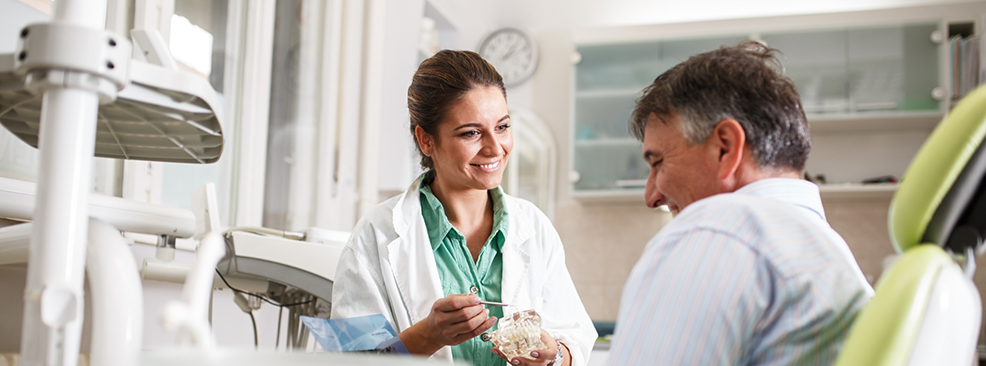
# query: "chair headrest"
941, 197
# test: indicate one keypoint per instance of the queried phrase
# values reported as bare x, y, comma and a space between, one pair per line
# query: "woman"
424, 259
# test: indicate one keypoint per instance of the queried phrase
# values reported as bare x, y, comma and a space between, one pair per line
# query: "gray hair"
745, 83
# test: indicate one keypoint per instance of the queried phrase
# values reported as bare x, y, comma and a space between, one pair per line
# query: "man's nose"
652, 195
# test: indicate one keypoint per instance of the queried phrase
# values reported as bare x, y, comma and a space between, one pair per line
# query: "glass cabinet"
849, 75
860, 70
608, 80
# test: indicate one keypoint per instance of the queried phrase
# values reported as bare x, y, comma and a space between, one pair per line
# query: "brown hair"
745, 83
442, 80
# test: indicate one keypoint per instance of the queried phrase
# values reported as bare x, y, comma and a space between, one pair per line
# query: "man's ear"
425, 141
730, 140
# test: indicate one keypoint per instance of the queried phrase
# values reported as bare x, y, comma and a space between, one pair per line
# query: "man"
748, 272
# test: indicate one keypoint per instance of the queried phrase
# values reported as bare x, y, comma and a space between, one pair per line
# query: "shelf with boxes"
873, 84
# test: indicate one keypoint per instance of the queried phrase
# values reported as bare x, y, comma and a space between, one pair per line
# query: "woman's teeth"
490, 165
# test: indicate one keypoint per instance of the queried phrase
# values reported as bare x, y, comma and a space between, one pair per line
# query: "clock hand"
509, 52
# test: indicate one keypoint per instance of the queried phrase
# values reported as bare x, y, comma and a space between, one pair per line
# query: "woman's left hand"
539, 357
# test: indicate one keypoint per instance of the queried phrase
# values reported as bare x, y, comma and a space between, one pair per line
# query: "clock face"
512, 53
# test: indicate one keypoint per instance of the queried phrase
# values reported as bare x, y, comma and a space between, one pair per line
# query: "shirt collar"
438, 224
500, 222
798, 192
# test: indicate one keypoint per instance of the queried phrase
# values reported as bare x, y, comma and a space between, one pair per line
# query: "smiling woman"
428, 257
470, 148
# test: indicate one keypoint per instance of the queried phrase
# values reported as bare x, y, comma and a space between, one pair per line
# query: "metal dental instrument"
490, 303
475, 291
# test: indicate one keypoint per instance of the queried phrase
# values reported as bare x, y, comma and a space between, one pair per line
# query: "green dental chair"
926, 310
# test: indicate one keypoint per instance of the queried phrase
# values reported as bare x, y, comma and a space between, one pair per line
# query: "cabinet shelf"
857, 191
834, 122
828, 192
874, 121
609, 93
620, 196
607, 142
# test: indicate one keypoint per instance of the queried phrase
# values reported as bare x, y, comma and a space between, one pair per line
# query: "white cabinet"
868, 83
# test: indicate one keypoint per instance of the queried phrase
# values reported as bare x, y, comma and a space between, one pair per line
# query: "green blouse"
456, 269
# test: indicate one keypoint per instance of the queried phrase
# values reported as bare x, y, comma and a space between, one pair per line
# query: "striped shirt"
753, 277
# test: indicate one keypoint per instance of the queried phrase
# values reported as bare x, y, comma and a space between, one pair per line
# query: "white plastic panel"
316, 258
951, 322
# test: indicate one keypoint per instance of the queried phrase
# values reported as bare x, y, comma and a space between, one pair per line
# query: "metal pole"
53, 298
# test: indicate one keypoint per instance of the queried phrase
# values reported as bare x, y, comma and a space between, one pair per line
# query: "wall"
478, 17
398, 159
16, 15
619, 231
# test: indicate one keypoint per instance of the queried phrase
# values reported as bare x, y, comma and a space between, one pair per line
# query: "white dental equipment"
72, 91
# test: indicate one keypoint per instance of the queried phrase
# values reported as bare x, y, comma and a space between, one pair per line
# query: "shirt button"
474, 290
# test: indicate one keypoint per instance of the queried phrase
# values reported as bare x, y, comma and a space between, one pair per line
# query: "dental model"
518, 334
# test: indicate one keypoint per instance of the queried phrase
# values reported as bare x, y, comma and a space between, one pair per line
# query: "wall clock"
512, 52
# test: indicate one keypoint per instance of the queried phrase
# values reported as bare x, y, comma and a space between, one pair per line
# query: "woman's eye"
503, 127
469, 133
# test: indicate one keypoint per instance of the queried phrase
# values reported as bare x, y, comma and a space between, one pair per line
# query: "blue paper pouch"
371, 333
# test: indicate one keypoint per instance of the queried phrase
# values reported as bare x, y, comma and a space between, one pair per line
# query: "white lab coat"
388, 267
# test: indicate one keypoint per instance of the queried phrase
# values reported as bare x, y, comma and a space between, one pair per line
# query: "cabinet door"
676, 51
862, 69
624, 66
608, 80
893, 68
817, 62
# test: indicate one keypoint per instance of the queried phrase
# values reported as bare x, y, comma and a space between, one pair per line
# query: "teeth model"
518, 334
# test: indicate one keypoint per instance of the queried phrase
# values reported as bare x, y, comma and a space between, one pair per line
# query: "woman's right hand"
458, 318
453, 319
